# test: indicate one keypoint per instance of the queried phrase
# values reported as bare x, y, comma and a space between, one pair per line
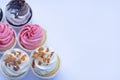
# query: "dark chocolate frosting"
19, 6
1, 14
18, 12
16, 4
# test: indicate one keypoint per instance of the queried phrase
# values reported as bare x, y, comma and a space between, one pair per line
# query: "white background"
85, 33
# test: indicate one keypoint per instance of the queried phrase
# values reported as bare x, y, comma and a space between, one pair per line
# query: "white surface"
85, 33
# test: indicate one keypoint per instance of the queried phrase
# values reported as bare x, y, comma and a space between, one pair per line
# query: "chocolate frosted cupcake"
18, 13
1, 14
14, 63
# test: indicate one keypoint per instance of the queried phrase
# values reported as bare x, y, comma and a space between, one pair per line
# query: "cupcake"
14, 63
1, 14
31, 36
7, 37
45, 62
18, 13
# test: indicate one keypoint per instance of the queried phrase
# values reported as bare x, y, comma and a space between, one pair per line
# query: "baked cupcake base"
50, 74
11, 76
44, 38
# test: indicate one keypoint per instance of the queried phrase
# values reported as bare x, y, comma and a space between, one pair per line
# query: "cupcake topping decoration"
44, 55
14, 59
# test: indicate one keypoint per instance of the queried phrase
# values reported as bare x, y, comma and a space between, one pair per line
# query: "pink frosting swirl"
7, 36
30, 36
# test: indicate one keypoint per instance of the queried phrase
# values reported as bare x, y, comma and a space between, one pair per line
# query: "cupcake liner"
19, 77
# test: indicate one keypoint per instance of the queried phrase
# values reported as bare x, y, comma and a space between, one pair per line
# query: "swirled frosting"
18, 12
44, 61
15, 63
7, 36
30, 36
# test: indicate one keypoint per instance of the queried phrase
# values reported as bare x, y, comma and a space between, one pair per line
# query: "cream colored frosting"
8, 68
45, 67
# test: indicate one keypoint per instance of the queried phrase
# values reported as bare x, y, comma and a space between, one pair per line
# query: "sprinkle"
40, 63
13, 53
19, 53
19, 61
16, 68
35, 55
47, 50
23, 57
12, 61
48, 59
51, 54
42, 54
40, 49
44, 59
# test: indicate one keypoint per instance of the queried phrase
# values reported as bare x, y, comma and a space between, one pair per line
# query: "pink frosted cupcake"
32, 36
7, 37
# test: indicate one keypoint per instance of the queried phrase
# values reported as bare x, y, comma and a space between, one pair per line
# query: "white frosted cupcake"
14, 63
45, 63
